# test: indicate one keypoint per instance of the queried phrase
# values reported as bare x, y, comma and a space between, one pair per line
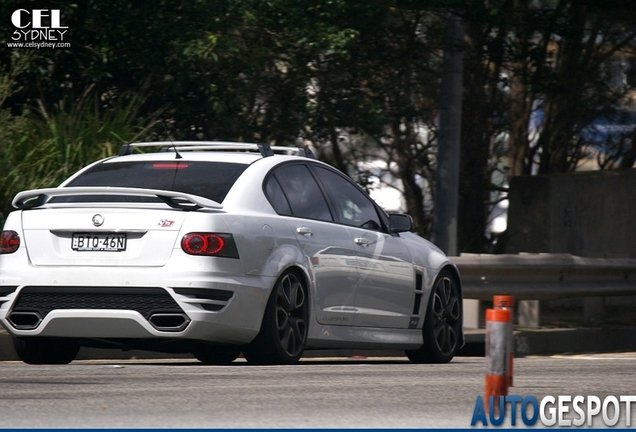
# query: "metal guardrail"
542, 276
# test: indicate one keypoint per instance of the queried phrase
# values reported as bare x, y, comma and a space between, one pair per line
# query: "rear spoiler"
178, 200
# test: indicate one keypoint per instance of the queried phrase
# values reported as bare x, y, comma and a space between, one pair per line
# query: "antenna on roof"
176, 152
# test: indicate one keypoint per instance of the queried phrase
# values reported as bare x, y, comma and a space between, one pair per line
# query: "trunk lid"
107, 236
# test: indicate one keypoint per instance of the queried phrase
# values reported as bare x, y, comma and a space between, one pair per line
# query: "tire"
217, 355
283, 333
443, 323
39, 351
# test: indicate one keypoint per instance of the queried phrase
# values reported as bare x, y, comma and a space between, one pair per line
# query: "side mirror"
400, 222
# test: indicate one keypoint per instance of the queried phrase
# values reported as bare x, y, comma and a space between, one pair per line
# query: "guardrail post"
529, 313
473, 314
593, 309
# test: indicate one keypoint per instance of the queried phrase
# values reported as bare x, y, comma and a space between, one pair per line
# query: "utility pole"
447, 184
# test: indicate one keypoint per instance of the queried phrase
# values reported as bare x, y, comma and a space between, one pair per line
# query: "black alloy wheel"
284, 330
443, 323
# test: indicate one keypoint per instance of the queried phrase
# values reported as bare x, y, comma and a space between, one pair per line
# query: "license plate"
92, 242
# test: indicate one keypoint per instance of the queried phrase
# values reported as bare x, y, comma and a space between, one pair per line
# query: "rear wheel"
217, 355
443, 323
284, 330
45, 350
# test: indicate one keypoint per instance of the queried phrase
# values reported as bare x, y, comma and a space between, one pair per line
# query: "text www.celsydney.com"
38, 45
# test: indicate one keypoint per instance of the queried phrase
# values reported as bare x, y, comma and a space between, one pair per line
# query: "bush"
43, 146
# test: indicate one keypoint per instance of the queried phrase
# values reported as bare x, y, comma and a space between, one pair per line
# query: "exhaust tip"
169, 321
25, 320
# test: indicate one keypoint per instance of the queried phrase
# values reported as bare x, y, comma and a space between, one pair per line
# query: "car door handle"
362, 241
307, 232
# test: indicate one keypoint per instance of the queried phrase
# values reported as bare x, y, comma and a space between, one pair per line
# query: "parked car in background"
218, 249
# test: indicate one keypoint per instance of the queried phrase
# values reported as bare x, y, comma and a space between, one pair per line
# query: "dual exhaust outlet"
169, 322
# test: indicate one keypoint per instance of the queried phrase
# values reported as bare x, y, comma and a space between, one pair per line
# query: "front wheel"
35, 350
443, 323
284, 330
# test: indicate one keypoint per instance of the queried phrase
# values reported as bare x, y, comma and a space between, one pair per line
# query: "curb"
550, 341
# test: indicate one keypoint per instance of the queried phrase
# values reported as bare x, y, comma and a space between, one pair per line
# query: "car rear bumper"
221, 310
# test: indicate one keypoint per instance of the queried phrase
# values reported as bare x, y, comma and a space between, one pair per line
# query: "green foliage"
13, 130
76, 132
42, 147
358, 80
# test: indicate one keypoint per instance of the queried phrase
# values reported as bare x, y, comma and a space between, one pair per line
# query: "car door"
295, 195
385, 282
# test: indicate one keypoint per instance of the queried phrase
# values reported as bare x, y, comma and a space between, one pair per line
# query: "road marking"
612, 356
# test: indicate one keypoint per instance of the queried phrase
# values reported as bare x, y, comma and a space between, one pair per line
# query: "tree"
357, 80
540, 73
383, 90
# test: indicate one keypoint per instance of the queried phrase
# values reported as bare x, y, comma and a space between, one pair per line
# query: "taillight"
10, 242
209, 244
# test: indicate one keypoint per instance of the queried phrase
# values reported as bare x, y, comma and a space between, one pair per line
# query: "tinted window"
301, 191
352, 206
211, 180
277, 197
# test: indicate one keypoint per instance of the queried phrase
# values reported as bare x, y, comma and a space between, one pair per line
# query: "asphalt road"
330, 393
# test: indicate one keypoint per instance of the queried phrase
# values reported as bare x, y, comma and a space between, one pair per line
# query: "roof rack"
178, 146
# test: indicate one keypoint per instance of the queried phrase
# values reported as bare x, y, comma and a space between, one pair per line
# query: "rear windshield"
211, 180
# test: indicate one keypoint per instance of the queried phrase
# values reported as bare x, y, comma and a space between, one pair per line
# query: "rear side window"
292, 190
277, 197
211, 180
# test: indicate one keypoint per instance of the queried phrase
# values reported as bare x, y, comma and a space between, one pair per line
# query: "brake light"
209, 244
170, 166
10, 242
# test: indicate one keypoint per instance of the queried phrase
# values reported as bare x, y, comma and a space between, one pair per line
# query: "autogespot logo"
564, 411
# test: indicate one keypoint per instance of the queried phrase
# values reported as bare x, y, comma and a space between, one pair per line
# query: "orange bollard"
508, 302
496, 361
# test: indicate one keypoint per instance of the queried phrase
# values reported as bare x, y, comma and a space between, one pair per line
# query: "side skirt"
325, 336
